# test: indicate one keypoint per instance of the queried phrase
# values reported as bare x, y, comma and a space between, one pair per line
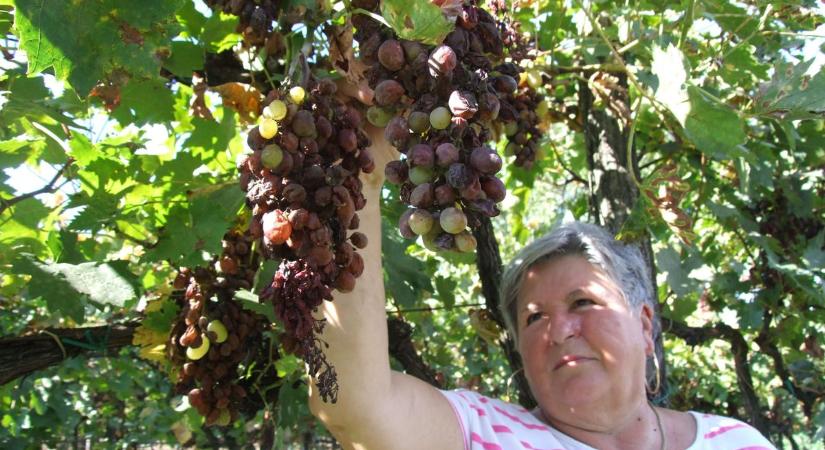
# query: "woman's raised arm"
376, 408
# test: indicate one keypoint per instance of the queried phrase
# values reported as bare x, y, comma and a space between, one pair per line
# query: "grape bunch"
522, 115
439, 105
256, 17
214, 336
302, 185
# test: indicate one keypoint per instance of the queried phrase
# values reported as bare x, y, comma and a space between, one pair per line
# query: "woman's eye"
532, 317
583, 302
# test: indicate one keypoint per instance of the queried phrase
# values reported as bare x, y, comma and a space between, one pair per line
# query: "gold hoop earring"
510, 381
657, 377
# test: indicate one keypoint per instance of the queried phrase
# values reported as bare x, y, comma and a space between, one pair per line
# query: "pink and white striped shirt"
491, 424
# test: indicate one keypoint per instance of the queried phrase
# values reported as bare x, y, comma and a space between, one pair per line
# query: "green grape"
453, 220
511, 149
510, 128
196, 353
271, 156
224, 418
276, 110
421, 221
542, 108
420, 175
440, 118
465, 242
419, 122
268, 128
297, 95
534, 79
378, 116
560, 91
217, 327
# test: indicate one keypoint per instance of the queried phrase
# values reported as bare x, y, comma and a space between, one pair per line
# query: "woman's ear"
646, 317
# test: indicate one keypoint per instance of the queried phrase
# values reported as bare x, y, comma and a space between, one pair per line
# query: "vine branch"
47, 189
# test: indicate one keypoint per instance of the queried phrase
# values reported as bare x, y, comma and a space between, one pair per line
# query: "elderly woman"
579, 305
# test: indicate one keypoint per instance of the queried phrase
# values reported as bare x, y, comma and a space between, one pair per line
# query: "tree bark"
22, 355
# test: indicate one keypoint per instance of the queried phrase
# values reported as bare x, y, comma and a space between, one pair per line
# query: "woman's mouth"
570, 360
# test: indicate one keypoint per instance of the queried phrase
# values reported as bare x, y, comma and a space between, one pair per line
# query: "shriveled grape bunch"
301, 182
214, 339
256, 17
440, 105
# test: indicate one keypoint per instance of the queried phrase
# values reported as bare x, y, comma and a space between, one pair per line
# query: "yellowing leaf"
243, 98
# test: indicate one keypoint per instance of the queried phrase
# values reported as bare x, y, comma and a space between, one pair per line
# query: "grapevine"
440, 105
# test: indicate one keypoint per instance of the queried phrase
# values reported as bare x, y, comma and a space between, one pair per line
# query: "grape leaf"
792, 94
103, 37
103, 283
406, 277
186, 57
416, 20
145, 101
218, 32
213, 212
716, 130
58, 293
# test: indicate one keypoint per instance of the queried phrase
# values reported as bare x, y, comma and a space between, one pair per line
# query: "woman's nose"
561, 327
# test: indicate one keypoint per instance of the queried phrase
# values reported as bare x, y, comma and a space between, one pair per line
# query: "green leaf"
717, 130
99, 210
145, 101
104, 37
219, 32
792, 94
288, 364
106, 283
213, 211
186, 57
191, 19
162, 318
406, 277
669, 261
60, 296
250, 301
416, 20
82, 150
176, 242
814, 256
446, 290
13, 152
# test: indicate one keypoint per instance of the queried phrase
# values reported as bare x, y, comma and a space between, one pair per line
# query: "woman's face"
583, 349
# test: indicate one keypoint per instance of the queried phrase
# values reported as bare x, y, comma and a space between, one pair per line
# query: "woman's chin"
579, 390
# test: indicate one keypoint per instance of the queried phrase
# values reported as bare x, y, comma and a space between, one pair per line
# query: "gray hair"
624, 265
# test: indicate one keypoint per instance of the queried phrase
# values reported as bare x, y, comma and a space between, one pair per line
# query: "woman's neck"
635, 427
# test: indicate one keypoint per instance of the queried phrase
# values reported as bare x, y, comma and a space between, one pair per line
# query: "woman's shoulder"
489, 422
720, 432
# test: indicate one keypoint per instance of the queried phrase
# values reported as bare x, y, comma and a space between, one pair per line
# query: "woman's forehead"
562, 277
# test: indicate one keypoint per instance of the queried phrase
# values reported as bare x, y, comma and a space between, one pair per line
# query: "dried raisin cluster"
256, 17
214, 339
440, 105
301, 182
